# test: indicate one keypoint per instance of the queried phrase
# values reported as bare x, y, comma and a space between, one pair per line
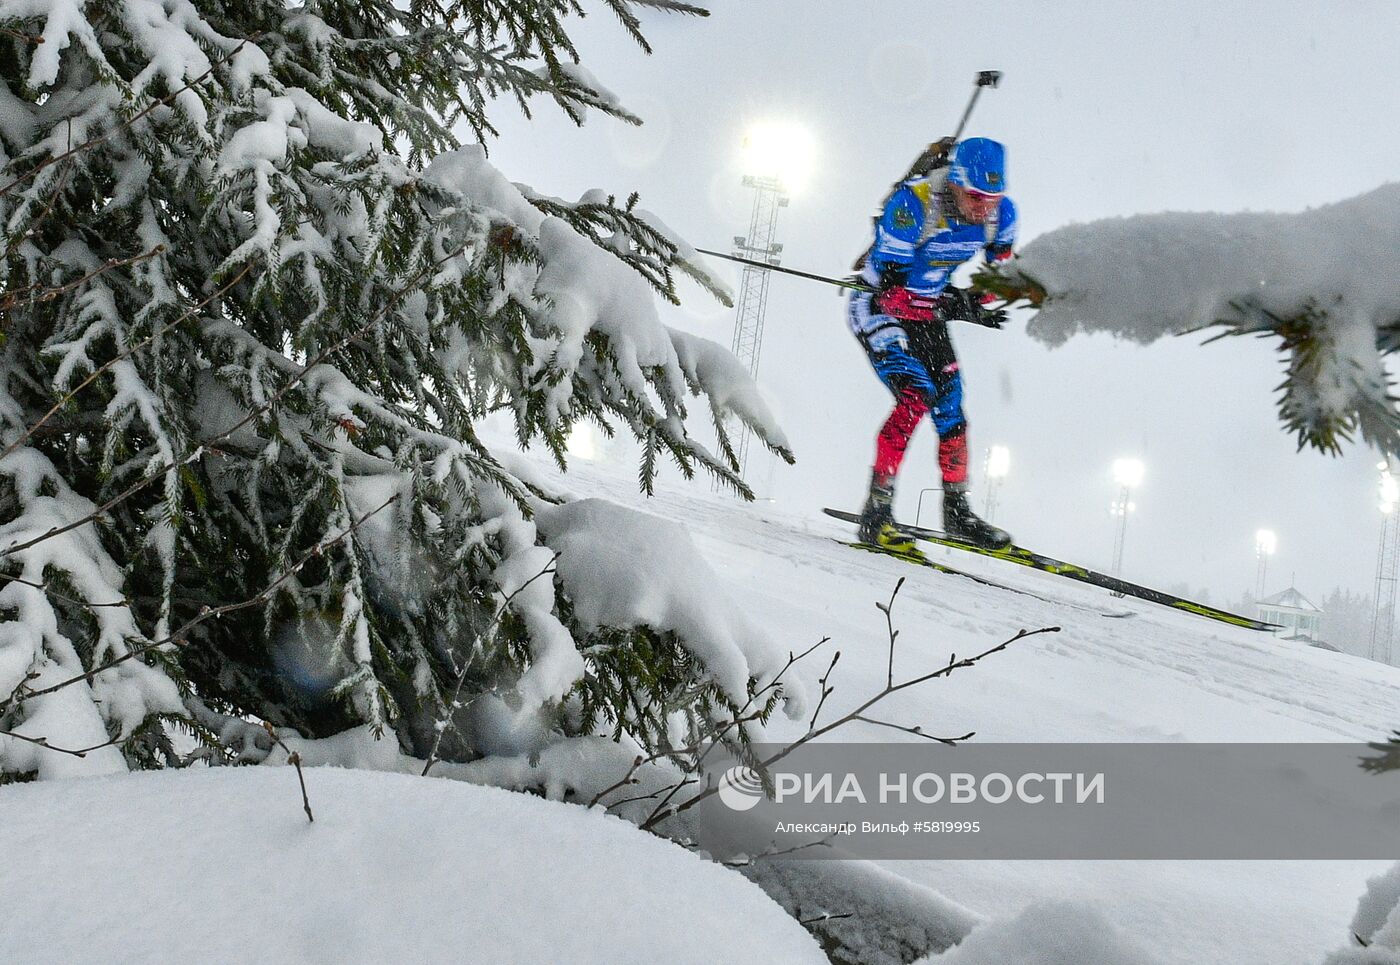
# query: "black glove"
894, 276
991, 317
965, 305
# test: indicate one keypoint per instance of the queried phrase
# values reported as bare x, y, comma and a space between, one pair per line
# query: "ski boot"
877, 525
960, 522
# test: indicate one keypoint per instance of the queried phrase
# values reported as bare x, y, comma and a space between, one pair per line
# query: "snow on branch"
624, 569
599, 344
1322, 281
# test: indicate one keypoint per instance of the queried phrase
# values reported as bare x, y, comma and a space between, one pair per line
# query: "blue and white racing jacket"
916, 237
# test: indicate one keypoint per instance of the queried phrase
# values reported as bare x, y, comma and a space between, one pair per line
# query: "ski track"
1238, 664
1159, 675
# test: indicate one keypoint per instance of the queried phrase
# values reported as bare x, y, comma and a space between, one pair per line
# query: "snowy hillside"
1157, 675
1119, 670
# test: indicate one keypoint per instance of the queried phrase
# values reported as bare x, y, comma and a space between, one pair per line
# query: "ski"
1045, 564
953, 571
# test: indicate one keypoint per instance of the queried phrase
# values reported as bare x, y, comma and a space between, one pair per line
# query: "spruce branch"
164, 145
21, 236
20, 296
129, 122
1326, 397
671, 6
1387, 756
272, 400
451, 706
122, 356
179, 636
1012, 285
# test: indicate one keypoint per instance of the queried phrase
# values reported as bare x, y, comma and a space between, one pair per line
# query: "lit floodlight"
1128, 472
782, 150
998, 462
1390, 491
581, 442
1265, 542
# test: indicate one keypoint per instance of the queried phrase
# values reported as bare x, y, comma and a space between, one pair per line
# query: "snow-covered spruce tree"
1322, 282
255, 299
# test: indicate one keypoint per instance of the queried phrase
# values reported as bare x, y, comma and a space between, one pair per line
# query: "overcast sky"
1107, 109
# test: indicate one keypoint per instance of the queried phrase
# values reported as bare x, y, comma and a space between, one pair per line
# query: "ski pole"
985, 78
838, 282
938, 151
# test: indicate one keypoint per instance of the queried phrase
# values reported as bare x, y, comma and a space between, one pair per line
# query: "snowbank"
1377, 923
1047, 933
222, 866
863, 912
1364, 956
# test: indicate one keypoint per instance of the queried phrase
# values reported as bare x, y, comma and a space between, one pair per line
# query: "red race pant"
899, 428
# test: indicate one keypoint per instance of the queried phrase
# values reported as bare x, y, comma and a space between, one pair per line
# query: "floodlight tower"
752, 303
1387, 567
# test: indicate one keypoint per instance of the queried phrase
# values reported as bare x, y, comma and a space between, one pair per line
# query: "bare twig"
648, 797
207, 613
738, 720
10, 299
451, 706
885, 608
702, 747
827, 690
625, 780
821, 918
629, 779
294, 759
44, 743
59, 596
27, 38
916, 731
779, 852
664, 811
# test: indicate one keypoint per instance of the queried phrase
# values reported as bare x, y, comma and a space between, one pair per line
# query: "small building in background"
1296, 617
